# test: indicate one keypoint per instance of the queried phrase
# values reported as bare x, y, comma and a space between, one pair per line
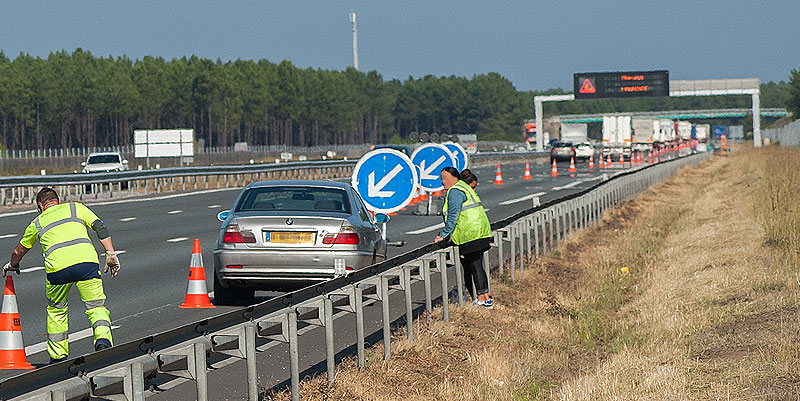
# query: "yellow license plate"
289, 237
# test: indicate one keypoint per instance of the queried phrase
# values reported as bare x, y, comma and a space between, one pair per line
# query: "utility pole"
355, 40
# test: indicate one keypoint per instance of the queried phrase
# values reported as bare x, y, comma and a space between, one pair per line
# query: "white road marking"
179, 239
17, 213
78, 335
214, 206
523, 198
427, 229
570, 185
8, 236
32, 269
128, 219
116, 202
175, 211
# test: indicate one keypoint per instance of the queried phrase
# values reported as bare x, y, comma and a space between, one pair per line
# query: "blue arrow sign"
385, 179
462, 161
431, 159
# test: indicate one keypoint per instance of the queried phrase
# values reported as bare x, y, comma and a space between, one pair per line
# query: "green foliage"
793, 93
79, 100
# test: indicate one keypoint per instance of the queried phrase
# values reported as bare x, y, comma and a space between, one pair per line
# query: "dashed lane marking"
427, 229
570, 185
523, 198
78, 335
179, 239
127, 219
214, 206
175, 211
8, 236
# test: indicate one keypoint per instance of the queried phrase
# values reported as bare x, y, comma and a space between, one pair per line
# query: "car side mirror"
83, 164
382, 218
223, 215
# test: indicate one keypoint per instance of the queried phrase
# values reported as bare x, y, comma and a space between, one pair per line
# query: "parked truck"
645, 132
575, 133
617, 135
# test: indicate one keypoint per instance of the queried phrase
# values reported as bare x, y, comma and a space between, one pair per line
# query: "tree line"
76, 99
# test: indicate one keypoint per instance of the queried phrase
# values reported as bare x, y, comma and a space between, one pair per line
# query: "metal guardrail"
119, 372
22, 189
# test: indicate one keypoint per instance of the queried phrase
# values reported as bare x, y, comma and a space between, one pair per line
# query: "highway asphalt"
155, 233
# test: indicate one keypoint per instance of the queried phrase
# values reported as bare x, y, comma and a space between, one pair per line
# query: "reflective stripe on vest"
471, 224
72, 218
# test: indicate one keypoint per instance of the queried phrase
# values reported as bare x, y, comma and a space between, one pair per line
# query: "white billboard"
163, 143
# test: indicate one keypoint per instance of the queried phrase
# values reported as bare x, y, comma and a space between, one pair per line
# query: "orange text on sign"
633, 77
641, 88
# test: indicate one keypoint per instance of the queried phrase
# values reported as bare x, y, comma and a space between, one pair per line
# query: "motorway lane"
143, 299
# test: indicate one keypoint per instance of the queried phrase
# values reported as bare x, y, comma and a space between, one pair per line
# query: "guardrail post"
520, 232
329, 344
513, 250
193, 368
240, 344
425, 271
498, 240
294, 359
459, 273
405, 284
441, 265
558, 224
387, 334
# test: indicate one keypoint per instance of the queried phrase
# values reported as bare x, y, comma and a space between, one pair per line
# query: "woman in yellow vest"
467, 225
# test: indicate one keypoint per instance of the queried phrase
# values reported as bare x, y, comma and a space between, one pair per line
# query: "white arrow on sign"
425, 173
376, 190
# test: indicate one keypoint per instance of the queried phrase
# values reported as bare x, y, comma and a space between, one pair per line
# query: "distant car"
562, 151
584, 150
102, 162
285, 235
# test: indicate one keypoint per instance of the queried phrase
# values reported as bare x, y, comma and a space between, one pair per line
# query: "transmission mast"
355, 40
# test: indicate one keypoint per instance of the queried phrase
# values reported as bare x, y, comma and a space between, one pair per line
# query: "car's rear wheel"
231, 295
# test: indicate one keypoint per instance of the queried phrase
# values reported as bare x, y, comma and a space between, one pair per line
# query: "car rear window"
103, 159
563, 145
293, 199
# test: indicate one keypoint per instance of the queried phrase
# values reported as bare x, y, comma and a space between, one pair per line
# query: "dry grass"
707, 310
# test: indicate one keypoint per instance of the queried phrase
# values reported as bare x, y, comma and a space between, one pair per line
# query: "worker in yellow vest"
467, 226
69, 259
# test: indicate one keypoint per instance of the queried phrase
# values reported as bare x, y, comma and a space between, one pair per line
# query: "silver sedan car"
285, 235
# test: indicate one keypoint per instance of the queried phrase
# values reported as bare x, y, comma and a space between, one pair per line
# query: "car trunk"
273, 232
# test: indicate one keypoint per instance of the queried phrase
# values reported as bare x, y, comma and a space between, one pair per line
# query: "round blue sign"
431, 159
385, 179
460, 154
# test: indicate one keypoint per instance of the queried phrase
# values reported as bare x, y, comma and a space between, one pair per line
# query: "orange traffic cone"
572, 168
601, 164
196, 291
621, 160
423, 196
591, 162
609, 164
437, 193
650, 157
527, 174
12, 349
498, 176
554, 171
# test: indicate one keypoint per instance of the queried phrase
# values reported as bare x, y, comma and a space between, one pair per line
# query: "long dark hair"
468, 176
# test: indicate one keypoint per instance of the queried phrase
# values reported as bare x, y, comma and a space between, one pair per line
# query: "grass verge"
689, 291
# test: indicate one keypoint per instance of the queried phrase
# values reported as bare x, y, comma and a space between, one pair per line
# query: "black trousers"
474, 276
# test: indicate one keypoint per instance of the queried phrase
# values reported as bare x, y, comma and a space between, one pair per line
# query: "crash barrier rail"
22, 189
121, 372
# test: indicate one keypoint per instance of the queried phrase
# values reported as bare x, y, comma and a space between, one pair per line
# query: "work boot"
101, 344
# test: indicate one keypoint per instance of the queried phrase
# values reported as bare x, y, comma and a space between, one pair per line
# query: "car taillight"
234, 236
347, 236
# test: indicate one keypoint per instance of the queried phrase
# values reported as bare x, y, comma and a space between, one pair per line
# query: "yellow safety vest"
62, 232
472, 222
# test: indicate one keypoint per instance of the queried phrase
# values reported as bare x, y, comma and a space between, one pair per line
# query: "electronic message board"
600, 85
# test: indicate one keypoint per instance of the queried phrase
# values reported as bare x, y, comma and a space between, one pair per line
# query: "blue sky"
535, 44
